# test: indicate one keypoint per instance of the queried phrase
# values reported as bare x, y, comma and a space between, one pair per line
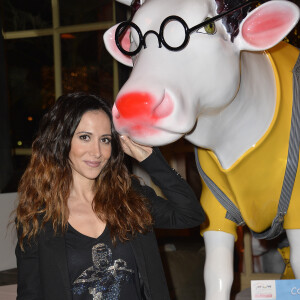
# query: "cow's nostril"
164, 108
115, 112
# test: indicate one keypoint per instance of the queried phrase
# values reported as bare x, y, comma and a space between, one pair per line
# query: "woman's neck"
82, 189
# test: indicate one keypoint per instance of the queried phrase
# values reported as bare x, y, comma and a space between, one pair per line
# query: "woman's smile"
93, 164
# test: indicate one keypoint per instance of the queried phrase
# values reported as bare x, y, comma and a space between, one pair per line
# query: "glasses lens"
128, 38
174, 33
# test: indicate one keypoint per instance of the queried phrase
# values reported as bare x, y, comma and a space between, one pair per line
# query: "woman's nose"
96, 149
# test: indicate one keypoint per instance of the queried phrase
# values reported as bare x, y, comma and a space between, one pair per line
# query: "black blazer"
42, 268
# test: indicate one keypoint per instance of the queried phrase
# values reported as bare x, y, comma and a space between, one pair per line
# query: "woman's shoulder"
42, 230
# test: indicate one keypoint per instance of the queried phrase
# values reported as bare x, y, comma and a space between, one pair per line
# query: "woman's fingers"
137, 151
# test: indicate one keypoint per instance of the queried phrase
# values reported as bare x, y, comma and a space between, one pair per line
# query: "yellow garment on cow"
253, 183
288, 271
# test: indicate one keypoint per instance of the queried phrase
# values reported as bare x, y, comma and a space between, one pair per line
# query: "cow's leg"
293, 236
218, 270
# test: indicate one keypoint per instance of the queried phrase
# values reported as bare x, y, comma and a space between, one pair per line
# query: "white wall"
8, 236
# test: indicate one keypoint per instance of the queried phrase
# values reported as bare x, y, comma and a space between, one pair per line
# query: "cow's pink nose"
143, 105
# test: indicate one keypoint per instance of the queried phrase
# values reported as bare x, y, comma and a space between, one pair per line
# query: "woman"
85, 225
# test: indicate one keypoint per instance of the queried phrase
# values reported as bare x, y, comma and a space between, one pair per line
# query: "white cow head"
168, 91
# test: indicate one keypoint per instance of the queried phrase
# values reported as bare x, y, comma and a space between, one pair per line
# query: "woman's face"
90, 145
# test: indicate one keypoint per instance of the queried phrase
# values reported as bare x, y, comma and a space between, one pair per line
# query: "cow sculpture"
216, 72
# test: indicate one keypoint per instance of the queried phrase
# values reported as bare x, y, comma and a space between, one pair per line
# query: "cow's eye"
210, 28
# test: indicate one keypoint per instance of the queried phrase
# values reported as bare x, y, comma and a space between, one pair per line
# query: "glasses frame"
160, 36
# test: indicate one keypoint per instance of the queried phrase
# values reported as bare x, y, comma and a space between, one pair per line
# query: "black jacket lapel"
56, 274
140, 261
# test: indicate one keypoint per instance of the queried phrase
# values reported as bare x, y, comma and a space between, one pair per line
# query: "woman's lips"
93, 164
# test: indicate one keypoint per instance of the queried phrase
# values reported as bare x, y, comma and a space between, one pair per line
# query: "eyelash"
86, 137
106, 140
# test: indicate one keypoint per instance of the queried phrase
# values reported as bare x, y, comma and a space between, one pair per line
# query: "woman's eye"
84, 137
209, 28
106, 140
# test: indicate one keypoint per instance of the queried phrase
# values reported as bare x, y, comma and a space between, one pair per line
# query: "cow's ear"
267, 25
110, 44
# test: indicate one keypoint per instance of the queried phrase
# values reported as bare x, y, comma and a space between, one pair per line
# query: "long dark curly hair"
45, 186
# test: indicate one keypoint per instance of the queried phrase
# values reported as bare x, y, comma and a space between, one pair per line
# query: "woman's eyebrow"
80, 132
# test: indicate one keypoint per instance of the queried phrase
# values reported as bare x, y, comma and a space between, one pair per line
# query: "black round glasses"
121, 29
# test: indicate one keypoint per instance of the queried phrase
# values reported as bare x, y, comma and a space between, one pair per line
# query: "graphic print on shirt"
103, 280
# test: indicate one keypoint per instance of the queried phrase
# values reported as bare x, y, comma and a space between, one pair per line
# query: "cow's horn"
128, 2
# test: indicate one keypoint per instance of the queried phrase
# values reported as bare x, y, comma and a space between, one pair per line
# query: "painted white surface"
218, 273
8, 236
294, 240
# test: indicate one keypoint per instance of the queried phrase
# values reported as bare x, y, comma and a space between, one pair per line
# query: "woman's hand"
137, 151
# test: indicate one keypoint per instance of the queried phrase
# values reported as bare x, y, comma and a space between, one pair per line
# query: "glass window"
31, 85
86, 64
24, 15
30, 81
74, 12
